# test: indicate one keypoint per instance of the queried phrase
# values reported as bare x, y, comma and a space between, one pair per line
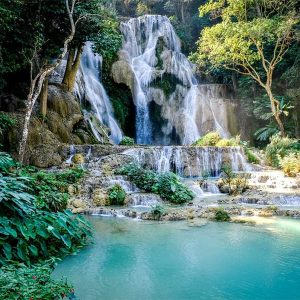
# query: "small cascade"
163, 84
72, 153
128, 186
143, 199
212, 188
274, 181
89, 88
190, 161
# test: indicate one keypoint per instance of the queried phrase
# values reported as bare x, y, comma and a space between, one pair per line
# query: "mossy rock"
79, 158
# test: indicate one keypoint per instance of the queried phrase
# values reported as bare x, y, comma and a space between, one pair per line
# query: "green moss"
158, 51
167, 84
123, 106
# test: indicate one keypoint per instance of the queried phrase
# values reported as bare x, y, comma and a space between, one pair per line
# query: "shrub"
116, 195
210, 139
167, 185
290, 164
157, 211
6, 122
170, 188
127, 141
232, 183
221, 215
143, 178
251, 157
23, 282
51, 188
233, 142
280, 147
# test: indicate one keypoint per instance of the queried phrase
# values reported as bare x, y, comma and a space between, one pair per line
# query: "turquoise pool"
145, 260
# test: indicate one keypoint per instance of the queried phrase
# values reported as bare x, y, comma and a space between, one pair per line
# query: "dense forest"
85, 85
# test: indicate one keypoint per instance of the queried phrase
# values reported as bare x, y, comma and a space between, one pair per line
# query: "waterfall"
162, 84
89, 88
190, 161
72, 153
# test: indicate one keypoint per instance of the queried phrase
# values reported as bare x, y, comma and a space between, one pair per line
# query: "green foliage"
30, 231
166, 185
232, 183
290, 164
251, 157
250, 38
6, 162
167, 83
127, 141
233, 142
41, 235
214, 139
108, 40
157, 211
221, 215
23, 282
143, 178
51, 188
210, 139
116, 195
280, 147
170, 188
6, 122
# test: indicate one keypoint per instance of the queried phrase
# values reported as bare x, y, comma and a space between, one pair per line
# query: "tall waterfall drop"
89, 88
170, 108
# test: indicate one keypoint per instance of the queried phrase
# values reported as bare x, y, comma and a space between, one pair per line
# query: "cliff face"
64, 124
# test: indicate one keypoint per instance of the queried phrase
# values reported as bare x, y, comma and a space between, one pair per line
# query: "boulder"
100, 198
122, 73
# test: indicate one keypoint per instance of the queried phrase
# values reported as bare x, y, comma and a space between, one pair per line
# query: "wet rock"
78, 203
100, 198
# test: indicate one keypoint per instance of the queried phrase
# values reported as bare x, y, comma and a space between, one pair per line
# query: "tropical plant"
166, 185
210, 139
116, 195
19, 281
28, 233
279, 147
6, 162
170, 188
6, 122
221, 215
127, 141
232, 183
290, 164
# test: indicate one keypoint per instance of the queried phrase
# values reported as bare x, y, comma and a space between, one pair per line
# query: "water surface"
144, 260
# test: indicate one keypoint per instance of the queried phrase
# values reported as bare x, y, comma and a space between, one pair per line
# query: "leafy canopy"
246, 30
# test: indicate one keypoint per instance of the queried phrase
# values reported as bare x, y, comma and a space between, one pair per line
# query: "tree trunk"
276, 112
44, 98
182, 12
234, 83
72, 67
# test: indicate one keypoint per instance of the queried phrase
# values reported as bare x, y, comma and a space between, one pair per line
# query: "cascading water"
190, 161
162, 84
89, 88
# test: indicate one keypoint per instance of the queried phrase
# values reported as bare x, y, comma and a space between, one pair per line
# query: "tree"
101, 16
37, 81
251, 38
